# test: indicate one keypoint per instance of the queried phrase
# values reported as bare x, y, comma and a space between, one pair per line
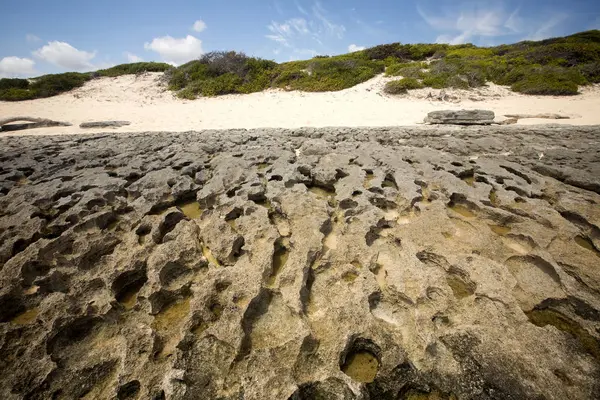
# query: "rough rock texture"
460, 117
104, 124
6, 124
302, 264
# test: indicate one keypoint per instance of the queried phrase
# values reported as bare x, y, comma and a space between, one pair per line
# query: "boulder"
460, 117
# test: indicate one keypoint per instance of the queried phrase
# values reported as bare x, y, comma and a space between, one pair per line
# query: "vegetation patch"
402, 86
326, 74
54, 84
133, 68
555, 66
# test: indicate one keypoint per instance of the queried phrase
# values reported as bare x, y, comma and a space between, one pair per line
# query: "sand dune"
151, 107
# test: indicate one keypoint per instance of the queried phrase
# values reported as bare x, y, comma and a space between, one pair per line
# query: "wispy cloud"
546, 29
475, 21
305, 30
321, 14
301, 9
31, 38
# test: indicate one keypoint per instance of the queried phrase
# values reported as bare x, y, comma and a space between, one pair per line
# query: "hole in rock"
461, 209
389, 182
545, 316
500, 230
280, 257
191, 209
128, 390
361, 361
26, 317
586, 244
127, 286
322, 193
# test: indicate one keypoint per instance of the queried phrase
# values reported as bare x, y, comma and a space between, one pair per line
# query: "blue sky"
43, 36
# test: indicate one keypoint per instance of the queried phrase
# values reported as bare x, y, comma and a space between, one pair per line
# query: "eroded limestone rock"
337, 263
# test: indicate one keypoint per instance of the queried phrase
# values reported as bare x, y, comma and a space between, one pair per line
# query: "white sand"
150, 107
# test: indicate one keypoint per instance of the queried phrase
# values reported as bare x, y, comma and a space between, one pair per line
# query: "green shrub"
470, 52
322, 75
133, 68
14, 94
51, 85
188, 94
591, 71
416, 52
567, 54
407, 70
13, 83
456, 73
219, 73
402, 86
435, 81
46, 86
548, 81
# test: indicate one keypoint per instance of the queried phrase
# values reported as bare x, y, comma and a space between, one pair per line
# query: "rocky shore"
332, 263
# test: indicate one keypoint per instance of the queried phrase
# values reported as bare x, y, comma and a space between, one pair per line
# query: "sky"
42, 36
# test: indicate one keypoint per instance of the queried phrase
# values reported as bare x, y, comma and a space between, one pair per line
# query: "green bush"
51, 85
46, 86
407, 70
13, 83
219, 73
456, 73
133, 68
547, 81
402, 86
591, 71
322, 75
14, 94
415, 52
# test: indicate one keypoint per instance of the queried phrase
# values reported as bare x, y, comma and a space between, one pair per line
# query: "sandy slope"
150, 107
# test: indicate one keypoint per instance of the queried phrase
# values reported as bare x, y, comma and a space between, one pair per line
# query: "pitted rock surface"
334, 263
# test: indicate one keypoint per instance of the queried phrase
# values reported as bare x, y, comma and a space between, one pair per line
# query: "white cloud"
282, 32
332, 28
31, 38
132, 58
278, 39
176, 50
305, 31
353, 47
464, 22
199, 26
11, 67
65, 56
283, 29
299, 25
